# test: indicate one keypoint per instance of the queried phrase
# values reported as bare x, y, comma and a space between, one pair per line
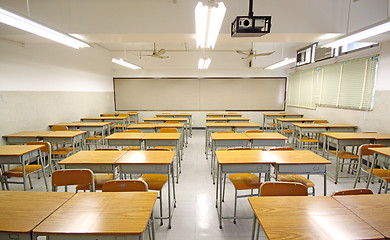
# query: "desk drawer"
245, 168
143, 168
301, 168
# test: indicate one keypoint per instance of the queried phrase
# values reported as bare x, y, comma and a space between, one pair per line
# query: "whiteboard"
200, 94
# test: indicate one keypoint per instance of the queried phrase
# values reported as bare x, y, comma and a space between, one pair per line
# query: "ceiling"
130, 28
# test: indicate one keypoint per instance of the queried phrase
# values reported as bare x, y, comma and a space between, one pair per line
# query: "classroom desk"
245, 126
243, 161
155, 162
273, 116
226, 140
302, 162
227, 119
65, 137
125, 139
223, 115
385, 152
24, 137
212, 127
118, 120
352, 139
133, 117
97, 161
286, 123
20, 154
157, 120
267, 139
373, 209
21, 211
314, 217
98, 127
98, 215
145, 128
179, 115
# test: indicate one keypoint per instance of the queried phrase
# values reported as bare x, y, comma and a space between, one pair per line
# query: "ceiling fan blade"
263, 54
161, 51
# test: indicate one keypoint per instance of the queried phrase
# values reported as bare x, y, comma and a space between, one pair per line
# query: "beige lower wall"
24, 111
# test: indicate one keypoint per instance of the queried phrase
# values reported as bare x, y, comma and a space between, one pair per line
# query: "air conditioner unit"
322, 54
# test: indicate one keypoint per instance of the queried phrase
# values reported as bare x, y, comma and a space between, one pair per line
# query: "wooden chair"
120, 127
242, 181
353, 192
59, 128
167, 130
125, 186
68, 177
320, 121
283, 189
381, 173
17, 172
253, 131
343, 156
294, 178
133, 131
58, 153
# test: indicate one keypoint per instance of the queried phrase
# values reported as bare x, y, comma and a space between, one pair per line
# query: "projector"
251, 26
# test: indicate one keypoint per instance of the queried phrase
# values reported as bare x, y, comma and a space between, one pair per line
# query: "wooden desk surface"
302, 217
165, 119
216, 119
101, 213
138, 126
62, 134
296, 157
373, 209
169, 125
17, 150
309, 125
27, 134
384, 151
93, 157
123, 135
132, 113
229, 136
298, 119
219, 124
237, 118
266, 136
81, 124
104, 118
338, 125
161, 136
147, 157
21, 211
243, 157
245, 124
174, 114
283, 114
349, 135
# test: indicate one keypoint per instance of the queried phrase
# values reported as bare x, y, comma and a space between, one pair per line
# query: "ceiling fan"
252, 54
157, 53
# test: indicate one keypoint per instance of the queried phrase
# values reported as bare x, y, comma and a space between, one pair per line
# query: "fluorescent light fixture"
25, 24
204, 63
122, 62
208, 20
281, 63
367, 32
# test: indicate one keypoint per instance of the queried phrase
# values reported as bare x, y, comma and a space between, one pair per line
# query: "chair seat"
100, 179
166, 147
382, 173
134, 148
93, 138
287, 131
296, 178
344, 154
155, 181
244, 181
306, 139
60, 152
18, 171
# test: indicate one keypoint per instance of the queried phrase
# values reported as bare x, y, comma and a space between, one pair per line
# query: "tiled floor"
195, 217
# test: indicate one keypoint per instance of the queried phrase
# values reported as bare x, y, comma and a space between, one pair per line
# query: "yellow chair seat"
60, 152
382, 173
272, 124
100, 179
166, 147
344, 154
134, 148
306, 139
155, 181
287, 131
244, 181
18, 171
296, 178
94, 138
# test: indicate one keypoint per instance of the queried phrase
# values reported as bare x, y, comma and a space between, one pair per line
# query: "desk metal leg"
220, 195
253, 236
169, 197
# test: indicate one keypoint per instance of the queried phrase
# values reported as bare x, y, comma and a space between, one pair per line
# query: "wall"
376, 120
46, 83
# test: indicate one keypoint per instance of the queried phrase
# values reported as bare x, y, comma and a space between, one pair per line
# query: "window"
348, 85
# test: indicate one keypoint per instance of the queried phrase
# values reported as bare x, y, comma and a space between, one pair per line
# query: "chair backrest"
108, 115
364, 151
59, 128
68, 177
168, 130
253, 131
320, 121
239, 148
172, 121
125, 186
283, 189
220, 122
133, 112
225, 132
133, 131
107, 149
353, 192
282, 149
123, 115
46, 147
158, 149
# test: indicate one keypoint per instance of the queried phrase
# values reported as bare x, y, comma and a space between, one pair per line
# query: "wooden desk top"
296, 157
298, 119
349, 135
122, 136
373, 209
214, 114
384, 151
174, 114
219, 124
138, 126
165, 119
104, 118
237, 118
63, 134
301, 217
283, 114
232, 114
246, 124
147, 157
266, 136
338, 125
169, 125
229, 136
161, 136
243, 157
216, 119
101, 213
309, 125
93, 157
27, 134
81, 124
17, 150
22, 211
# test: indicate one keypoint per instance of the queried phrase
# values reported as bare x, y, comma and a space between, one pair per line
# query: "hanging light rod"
370, 31
124, 63
281, 63
31, 26
204, 63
